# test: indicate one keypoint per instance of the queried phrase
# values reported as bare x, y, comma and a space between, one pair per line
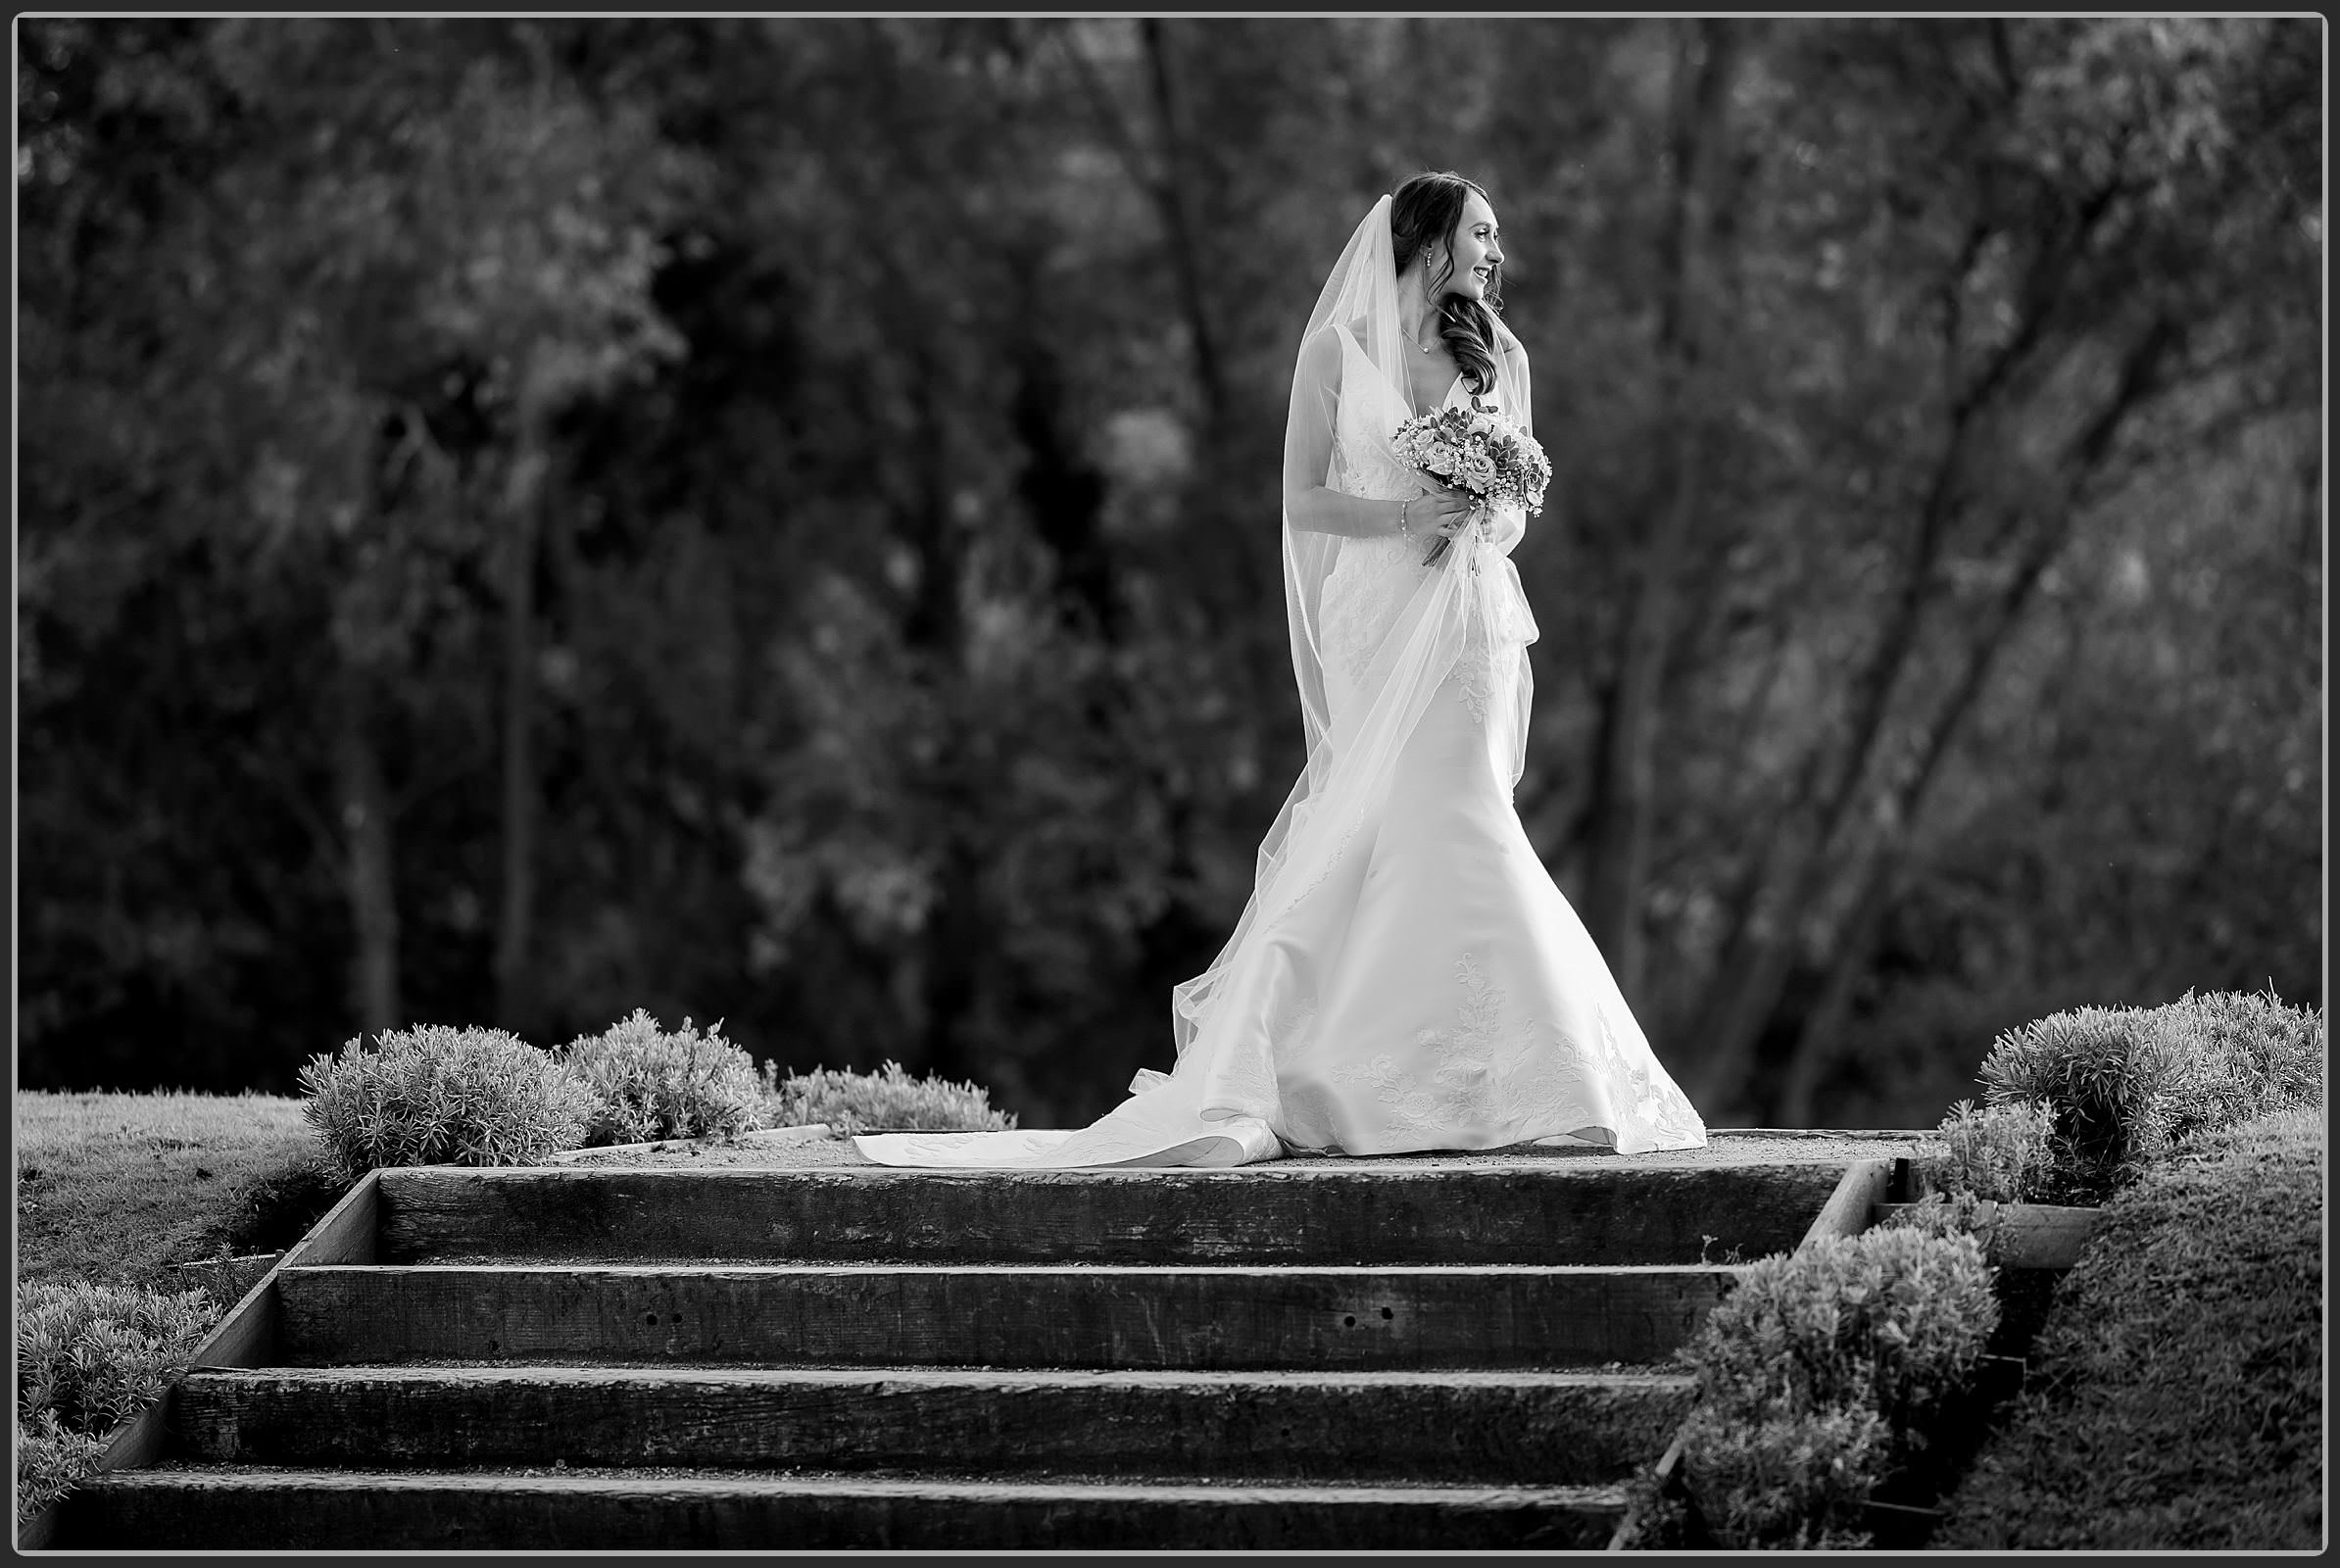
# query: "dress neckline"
1405, 392
1449, 400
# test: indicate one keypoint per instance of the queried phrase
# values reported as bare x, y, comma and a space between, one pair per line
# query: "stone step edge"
577, 1164
182, 1474
702, 1269
665, 1374
1540, 1428
761, 1138
1477, 1317
813, 1131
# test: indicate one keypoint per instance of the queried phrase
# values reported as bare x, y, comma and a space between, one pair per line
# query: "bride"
1407, 976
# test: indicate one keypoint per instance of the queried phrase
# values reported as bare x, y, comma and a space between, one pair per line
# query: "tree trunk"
1762, 980
1625, 786
1818, 1040
951, 959
523, 501
367, 857
1745, 987
1178, 218
1245, 588
933, 628
1064, 495
1816, 1045
954, 946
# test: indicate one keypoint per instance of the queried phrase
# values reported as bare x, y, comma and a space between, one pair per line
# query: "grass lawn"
2176, 1397
113, 1189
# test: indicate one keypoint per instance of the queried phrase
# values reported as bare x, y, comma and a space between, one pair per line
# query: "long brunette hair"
1422, 214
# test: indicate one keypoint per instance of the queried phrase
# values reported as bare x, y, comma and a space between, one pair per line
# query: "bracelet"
1402, 506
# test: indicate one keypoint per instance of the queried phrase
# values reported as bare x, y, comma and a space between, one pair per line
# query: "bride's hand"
1440, 510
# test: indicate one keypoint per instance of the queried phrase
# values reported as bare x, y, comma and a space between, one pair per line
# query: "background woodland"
775, 521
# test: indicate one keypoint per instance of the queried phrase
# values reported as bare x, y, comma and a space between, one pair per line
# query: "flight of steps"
1395, 1354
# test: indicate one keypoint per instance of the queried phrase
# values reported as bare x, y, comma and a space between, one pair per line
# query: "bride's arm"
1309, 454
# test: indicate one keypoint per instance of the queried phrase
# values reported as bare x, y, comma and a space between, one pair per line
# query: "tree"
774, 519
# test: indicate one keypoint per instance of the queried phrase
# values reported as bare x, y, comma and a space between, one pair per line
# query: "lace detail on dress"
1487, 1073
1374, 577
1368, 589
1293, 1029
1245, 1074
1475, 674
1654, 1112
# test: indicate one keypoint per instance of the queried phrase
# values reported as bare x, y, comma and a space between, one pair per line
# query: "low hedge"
1819, 1376
2175, 1397
436, 1095
88, 1358
2126, 1084
646, 1083
433, 1095
889, 1098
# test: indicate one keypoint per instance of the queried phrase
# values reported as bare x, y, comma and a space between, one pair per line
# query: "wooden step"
1489, 1316
1547, 1428
266, 1509
1581, 1210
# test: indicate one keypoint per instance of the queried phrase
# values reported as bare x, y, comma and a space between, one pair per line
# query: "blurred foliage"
845, 451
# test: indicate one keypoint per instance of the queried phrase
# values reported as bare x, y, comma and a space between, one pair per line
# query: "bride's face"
1478, 249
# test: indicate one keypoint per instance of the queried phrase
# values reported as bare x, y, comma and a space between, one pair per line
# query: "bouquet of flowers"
1476, 452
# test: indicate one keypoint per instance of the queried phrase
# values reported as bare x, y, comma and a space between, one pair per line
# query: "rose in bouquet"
1480, 454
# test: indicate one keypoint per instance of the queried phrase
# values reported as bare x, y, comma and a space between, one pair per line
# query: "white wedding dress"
1408, 978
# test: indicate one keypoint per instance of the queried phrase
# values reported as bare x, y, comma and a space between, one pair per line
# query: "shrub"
1656, 1517
2001, 1153
435, 1095
51, 1461
1820, 1371
88, 1358
890, 1100
645, 1083
2238, 1057
1791, 1481
2175, 1400
96, 1355
2104, 1071
2126, 1084
1890, 1319
1949, 1214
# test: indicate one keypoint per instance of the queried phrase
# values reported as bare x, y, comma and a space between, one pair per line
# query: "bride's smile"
1476, 248
1464, 264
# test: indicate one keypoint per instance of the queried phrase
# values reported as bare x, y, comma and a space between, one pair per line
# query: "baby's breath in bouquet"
1492, 459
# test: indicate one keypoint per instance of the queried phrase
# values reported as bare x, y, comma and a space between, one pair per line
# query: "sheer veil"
1358, 303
